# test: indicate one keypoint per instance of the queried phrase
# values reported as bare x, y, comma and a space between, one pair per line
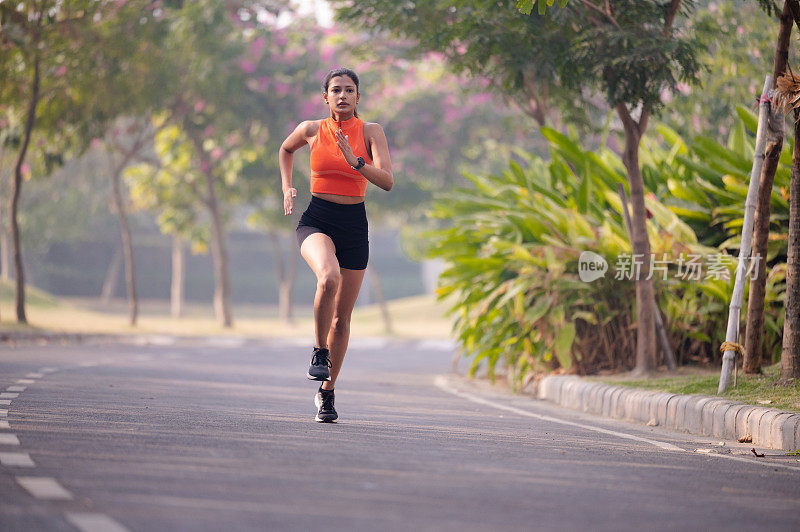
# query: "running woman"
346, 154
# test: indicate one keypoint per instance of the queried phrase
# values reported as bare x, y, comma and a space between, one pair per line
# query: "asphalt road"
218, 434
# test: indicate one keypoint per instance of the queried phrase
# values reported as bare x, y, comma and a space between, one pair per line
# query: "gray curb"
696, 414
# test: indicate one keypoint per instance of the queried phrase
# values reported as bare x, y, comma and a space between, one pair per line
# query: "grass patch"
414, 317
757, 390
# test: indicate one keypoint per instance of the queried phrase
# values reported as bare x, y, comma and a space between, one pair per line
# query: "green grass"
751, 389
414, 317
33, 296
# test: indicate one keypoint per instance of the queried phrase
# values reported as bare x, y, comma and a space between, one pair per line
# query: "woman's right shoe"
320, 362
326, 413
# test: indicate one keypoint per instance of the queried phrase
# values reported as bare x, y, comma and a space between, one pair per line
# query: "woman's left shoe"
326, 413
320, 364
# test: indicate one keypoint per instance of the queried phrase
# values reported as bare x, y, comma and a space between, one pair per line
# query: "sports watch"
360, 162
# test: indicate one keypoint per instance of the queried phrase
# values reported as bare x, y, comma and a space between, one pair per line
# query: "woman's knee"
341, 324
329, 281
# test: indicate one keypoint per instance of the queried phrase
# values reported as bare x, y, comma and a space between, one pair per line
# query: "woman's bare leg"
320, 254
339, 334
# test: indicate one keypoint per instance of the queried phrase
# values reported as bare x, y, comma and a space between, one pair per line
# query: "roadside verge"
701, 415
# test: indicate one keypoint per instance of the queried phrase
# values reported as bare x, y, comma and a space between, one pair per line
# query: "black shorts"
346, 225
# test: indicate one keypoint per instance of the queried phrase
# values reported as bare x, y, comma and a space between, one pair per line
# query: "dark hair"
340, 72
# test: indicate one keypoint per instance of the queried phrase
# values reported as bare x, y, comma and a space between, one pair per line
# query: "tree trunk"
287, 287
380, 299
790, 352
5, 262
285, 277
754, 331
112, 275
645, 295
19, 274
127, 246
178, 277
731, 345
661, 332
219, 251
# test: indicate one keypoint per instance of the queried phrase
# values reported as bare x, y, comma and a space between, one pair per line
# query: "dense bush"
512, 243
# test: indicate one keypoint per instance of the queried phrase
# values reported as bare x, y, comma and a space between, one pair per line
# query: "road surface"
218, 434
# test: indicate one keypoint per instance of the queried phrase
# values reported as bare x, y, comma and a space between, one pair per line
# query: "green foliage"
514, 240
738, 47
553, 61
513, 248
171, 189
526, 6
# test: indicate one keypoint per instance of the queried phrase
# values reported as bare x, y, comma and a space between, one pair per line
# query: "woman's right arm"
296, 140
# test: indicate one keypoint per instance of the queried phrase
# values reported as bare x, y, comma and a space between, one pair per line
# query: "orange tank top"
330, 173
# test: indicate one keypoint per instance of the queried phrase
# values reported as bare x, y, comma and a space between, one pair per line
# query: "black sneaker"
324, 401
320, 362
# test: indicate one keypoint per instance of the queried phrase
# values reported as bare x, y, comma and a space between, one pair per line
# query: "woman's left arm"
380, 171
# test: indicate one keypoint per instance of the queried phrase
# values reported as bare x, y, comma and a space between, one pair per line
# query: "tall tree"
38, 71
210, 94
629, 51
754, 331
789, 86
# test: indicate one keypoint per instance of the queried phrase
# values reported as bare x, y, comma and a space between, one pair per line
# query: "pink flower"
683, 88
327, 53
26, 169
232, 139
308, 109
248, 67
208, 131
199, 106
281, 89
481, 99
217, 153
280, 39
437, 57
95, 142
257, 47
60, 71
739, 30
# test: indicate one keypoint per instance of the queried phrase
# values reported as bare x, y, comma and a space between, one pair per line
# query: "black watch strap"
361, 162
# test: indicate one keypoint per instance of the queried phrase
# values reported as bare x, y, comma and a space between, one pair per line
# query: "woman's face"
342, 96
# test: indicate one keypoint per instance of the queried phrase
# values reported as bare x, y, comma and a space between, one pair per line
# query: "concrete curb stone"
741, 426
695, 414
729, 427
661, 412
754, 423
680, 412
718, 427
765, 426
707, 415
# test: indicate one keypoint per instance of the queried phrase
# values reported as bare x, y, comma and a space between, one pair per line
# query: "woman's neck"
341, 117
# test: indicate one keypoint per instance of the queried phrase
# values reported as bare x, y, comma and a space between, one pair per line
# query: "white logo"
591, 266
